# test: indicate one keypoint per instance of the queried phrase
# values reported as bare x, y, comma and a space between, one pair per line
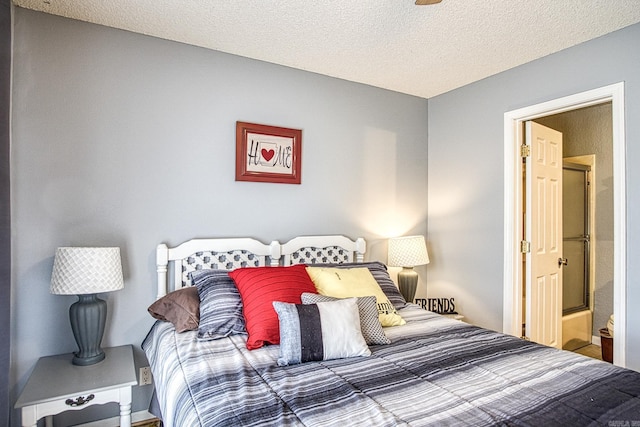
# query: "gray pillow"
369, 320
309, 332
220, 305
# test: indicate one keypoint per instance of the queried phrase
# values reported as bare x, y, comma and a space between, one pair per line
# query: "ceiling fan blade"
426, 2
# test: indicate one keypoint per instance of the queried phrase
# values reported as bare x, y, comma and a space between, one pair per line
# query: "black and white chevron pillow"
367, 308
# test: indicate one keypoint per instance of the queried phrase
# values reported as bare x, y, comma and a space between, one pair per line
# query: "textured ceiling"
392, 44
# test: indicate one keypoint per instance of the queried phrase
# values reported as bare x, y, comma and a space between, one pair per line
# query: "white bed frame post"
276, 253
361, 248
162, 261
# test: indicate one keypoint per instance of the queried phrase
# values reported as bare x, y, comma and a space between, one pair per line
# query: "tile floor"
590, 350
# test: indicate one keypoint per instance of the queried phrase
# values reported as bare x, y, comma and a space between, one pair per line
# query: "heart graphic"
268, 154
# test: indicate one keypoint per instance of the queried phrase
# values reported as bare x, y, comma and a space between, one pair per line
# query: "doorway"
513, 266
561, 292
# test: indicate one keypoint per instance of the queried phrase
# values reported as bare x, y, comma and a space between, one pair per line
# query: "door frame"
513, 216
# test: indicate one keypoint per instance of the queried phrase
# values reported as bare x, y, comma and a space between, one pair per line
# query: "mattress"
436, 371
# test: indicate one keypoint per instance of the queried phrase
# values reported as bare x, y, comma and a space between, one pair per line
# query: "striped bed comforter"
436, 371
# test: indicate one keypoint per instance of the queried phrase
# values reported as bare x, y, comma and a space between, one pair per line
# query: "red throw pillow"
259, 287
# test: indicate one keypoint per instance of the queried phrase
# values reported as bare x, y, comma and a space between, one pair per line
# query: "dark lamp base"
86, 361
407, 283
88, 316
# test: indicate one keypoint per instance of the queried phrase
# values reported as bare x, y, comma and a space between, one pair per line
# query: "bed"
430, 370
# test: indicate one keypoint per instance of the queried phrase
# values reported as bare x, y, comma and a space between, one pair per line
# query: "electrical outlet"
145, 376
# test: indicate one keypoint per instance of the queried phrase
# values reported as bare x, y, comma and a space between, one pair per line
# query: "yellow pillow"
354, 282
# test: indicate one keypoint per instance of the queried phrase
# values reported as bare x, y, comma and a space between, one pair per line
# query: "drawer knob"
79, 401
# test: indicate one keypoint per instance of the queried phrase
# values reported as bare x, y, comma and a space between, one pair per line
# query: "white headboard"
232, 253
323, 250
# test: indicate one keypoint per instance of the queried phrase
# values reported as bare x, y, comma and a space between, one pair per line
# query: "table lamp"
407, 252
85, 272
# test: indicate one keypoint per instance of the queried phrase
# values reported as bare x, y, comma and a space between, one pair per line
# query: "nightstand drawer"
63, 403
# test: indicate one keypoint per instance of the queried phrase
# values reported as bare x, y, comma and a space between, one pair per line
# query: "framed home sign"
268, 153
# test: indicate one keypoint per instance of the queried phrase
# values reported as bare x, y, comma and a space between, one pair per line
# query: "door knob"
562, 261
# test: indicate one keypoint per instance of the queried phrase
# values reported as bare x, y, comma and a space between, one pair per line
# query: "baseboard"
595, 340
115, 421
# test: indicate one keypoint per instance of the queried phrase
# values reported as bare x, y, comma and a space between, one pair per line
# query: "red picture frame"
268, 153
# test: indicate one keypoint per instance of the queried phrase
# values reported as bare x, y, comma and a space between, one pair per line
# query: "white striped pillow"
308, 332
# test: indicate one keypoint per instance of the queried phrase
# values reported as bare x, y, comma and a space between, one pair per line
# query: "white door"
543, 229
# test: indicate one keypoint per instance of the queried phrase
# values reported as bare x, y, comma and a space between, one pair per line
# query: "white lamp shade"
78, 271
407, 251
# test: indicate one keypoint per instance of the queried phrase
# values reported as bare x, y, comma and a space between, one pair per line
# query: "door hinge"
525, 150
525, 247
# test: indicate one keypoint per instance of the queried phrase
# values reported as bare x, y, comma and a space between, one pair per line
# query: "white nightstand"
56, 385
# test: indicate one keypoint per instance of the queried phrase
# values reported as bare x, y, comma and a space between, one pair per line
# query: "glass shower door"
575, 287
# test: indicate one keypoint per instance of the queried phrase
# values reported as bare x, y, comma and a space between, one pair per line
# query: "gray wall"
5, 210
589, 131
465, 190
122, 139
